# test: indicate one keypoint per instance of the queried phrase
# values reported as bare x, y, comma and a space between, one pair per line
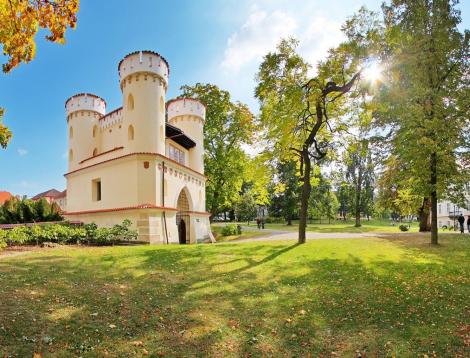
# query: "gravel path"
277, 235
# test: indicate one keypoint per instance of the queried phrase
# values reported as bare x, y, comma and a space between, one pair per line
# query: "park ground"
388, 296
333, 229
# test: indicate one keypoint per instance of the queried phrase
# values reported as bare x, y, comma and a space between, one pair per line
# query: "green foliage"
19, 211
3, 239
230, 229
323, 201
403, 227
245, 209
68, 234
285, 197
5, 133
424, 105
228, 126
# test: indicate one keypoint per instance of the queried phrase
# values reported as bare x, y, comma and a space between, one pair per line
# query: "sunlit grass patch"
382, 296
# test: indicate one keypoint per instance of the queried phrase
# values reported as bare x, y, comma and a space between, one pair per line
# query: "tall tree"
426, 100
287, 190
297, 113
359, 174
228, 126
20, 20
323, 201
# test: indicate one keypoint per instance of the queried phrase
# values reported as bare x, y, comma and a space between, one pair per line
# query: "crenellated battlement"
85, 102
111, 118
145, 62
185, 107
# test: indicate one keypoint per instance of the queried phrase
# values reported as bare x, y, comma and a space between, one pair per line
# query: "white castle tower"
83, 113
131, 164
143, 78
189, 115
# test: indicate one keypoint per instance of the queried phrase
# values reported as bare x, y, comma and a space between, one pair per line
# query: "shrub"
108, 236
403, 227
20, 235
230, 229
66, 234
3, 238
274, 220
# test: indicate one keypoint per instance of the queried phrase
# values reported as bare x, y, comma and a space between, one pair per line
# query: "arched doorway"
182, 231
182, 218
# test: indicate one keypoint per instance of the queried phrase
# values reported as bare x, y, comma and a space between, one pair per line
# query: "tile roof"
51, 193
4, 196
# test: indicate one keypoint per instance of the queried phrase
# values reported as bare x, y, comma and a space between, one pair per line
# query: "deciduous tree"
298, 113
20, 20
228, 126
425, 101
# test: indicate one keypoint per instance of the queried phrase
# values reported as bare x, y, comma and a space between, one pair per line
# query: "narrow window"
130, 133
71, 132
162, 104
96, 189
70, 155
95, 131
95, 152
130, 102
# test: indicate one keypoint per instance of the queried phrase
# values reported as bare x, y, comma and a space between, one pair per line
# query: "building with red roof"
4, 196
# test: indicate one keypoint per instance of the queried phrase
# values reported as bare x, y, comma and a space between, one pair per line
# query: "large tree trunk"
424, 216
434, 238
306, 188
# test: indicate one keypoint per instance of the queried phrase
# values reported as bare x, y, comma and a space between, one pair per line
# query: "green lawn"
341, 226
327, 298
246, 233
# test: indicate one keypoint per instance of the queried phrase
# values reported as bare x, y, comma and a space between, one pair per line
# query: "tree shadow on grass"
231, 300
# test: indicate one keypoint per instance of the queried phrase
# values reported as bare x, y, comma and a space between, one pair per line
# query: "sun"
373, 72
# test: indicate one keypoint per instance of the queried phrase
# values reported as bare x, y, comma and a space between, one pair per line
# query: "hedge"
88, 234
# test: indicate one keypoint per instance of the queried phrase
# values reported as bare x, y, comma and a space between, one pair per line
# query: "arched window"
95, 152
71, 132
130, 132
95, 131
183, 203
130, 102
162, 104
70, 155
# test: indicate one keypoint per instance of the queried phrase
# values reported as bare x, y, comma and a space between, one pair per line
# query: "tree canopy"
229, 125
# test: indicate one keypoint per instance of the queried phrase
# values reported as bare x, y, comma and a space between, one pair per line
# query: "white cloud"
320, 35
258, 35
22, 152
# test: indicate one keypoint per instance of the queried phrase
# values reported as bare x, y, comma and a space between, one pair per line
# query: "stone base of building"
155, 226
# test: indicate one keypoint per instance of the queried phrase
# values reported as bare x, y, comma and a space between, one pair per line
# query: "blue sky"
213, 41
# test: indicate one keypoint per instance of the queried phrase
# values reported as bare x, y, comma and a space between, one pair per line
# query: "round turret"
145, 62
85, 102
83, 113
143, 79
189, 115
185, 107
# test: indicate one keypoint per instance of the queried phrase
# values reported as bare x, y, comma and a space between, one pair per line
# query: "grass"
246, 233
378, 226
385, 297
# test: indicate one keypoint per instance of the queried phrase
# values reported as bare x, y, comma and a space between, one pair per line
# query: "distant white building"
447, 212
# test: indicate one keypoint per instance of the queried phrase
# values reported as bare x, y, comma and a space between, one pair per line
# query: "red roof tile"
4, 196
52, 193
